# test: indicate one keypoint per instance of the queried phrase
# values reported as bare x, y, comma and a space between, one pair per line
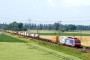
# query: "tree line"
56, 26
14, 26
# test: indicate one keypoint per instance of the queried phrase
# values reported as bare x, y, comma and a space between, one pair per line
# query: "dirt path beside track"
1, 32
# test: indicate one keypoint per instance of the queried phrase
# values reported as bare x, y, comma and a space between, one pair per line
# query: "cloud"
51, 3
76, 3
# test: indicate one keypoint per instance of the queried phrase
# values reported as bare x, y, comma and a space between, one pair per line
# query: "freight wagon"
61, 39
55, 39
22, 33
46, 38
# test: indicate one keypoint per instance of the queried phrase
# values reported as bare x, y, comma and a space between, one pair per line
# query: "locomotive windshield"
77, 41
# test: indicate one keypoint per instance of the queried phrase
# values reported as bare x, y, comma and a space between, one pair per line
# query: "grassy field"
52, 32
22, 51
17, 49
80, 54
4, 38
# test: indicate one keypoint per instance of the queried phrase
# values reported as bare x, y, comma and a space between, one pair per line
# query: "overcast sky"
45, 11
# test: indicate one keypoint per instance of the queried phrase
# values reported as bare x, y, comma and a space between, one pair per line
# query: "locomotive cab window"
77, 41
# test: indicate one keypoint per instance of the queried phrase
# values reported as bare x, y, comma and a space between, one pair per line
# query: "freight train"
69, 41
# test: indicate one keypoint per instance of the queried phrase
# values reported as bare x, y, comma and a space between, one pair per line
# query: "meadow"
22, 51
19, 48
59, 49
57, 33
53, 31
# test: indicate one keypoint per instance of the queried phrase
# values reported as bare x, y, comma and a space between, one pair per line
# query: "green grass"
52, 32
5, 38
22, 51
80, 54
32, 50
62, 49
65, 34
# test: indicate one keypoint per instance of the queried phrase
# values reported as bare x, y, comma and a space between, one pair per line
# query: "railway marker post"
84, 49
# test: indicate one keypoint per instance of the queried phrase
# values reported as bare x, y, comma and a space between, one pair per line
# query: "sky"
45, 11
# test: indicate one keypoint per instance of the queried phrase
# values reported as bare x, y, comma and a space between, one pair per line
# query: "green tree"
72, 27
15, 26
56, 25
49, 27
20, 26
63, 30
